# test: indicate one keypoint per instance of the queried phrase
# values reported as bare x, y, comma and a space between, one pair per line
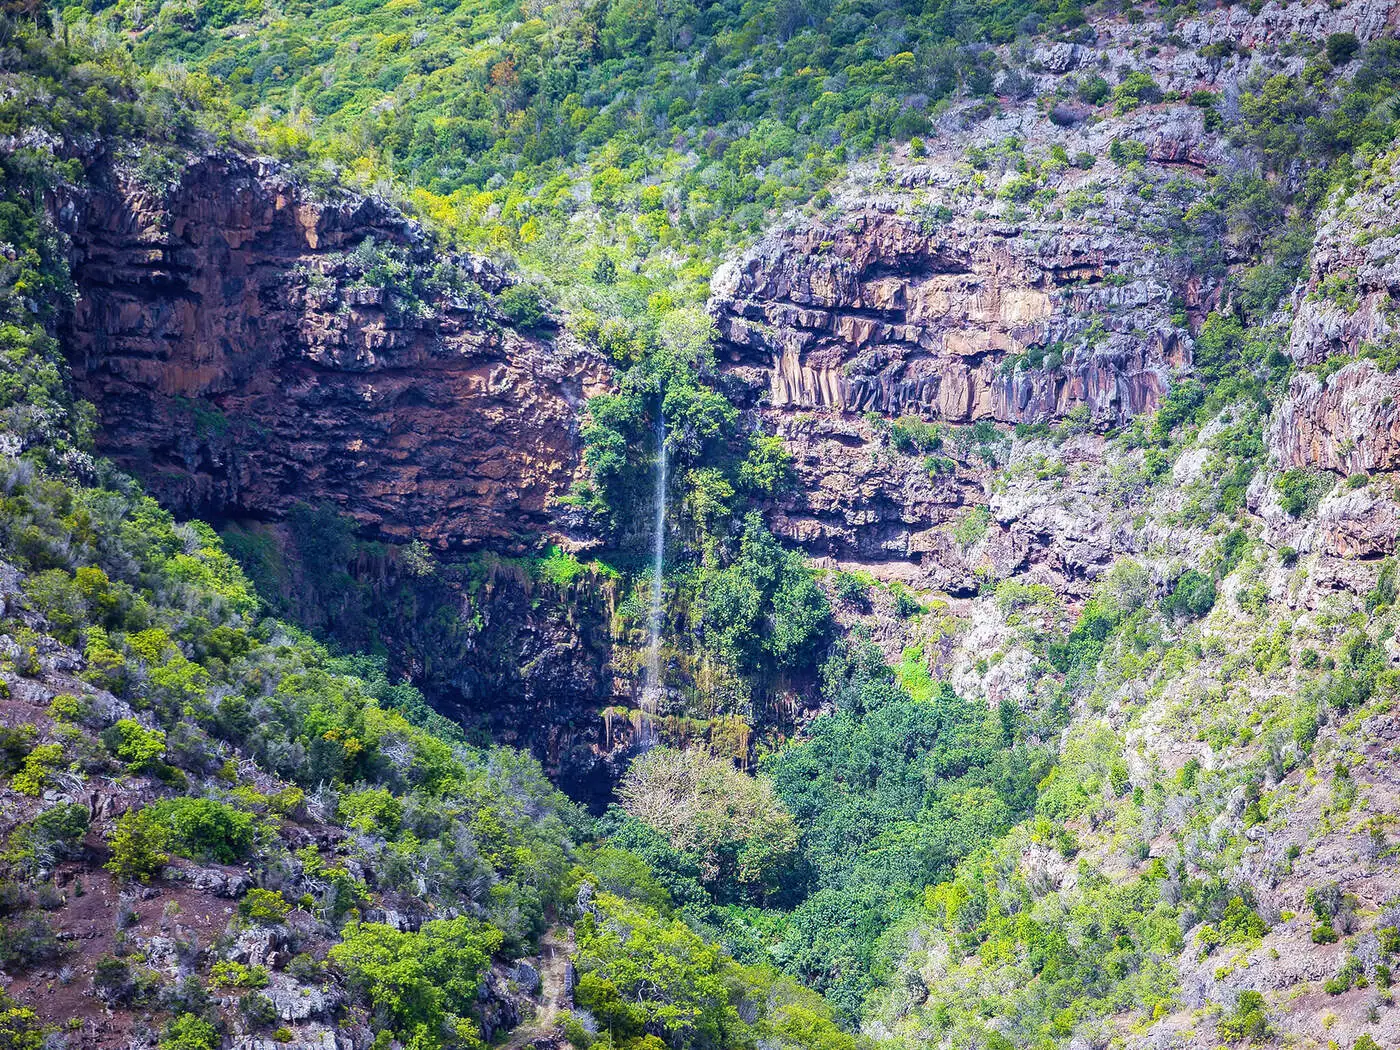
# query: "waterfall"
652, 686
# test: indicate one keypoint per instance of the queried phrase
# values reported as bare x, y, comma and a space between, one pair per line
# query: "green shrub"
55, 833
203, 829
1093, 89
20, 1027
374, 810
36, 771
1125, 151
140, 748
853, 589
258, 1010
263, 907
229, 974
135, 844
1300, 491
198, 828
188, 1032
15, 743
912, 434
1341, 47
1352, 973
1136, 89
1248, 1022
112, 981
26, 940
524, 304
1192, 597
1323, 933
906, 602
419, 983
767, 469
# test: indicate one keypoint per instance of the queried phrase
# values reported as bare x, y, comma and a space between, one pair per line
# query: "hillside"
1022, 669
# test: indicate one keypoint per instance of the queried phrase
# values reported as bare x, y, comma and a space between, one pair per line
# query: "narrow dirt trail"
554, 991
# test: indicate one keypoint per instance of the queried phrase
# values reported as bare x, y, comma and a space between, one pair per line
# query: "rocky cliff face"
1348, 421
901, 315
249, 345
1035, 266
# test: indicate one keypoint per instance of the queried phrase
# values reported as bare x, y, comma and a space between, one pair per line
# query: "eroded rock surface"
249, 345
879, 313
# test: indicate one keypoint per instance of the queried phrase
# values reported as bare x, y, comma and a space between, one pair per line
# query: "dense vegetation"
147, 673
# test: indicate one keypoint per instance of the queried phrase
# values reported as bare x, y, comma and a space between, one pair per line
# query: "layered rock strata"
249, 345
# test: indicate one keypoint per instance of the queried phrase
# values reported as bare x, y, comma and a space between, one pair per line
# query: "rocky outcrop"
1348, 422
879, 313
861, 497
1354, 280
956, 292
1035, 264
249, 344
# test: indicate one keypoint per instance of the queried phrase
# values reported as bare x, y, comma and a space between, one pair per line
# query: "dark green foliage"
1352, 973
767, 469
1093, 89
1341, 47
765, 605
1300, 490
26, 940
1086, 639
677, 874
257, 1010
1383, 594
1305, 728
15, 743
1247, 1022
116, 983
1360, 662
853, 589
890, 793
524, 305
1192, 596
1240, 924
1134, 90
1125, 151
55, 834
201, 828
912, 434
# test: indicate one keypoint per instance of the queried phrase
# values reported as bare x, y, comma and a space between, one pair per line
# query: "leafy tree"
136, 848
739, 833
766, 603
140, 748
419, 984
641, 975
1247, 1022
767, 469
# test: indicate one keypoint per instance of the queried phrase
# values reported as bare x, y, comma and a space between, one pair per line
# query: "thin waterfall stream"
652, 686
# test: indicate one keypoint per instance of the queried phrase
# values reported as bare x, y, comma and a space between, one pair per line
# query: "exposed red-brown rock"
1348, 422
875, 313
244, 354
